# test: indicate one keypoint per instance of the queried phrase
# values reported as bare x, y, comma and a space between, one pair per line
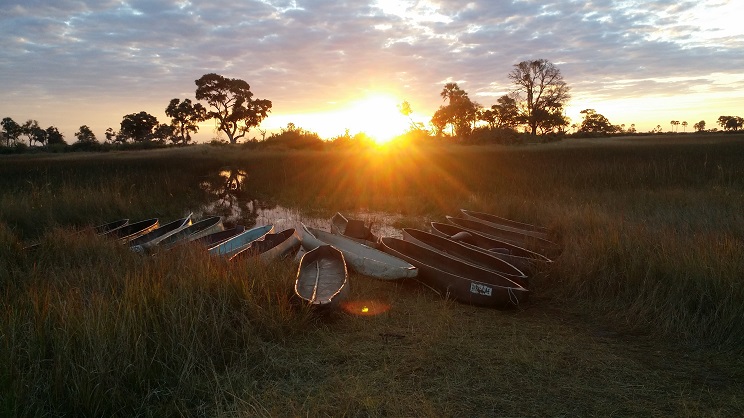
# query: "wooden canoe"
467, 254
241, 241
452, 277
152, 238
104, 229
520, 257
129, 232
538, 245
322, 278
354, 229
194, 231
360, 258
507, 224
210, 240
283, 244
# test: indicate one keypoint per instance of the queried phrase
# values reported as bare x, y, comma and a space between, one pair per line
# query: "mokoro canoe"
354, 229
129, 232
152, 238
520, 257
467, 254
196, 230
505, 223
215, 238
360, 257
241, 241
104, 229
322, 278
452, 277
538, 245
280, 245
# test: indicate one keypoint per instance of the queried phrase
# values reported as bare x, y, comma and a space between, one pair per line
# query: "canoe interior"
322, 275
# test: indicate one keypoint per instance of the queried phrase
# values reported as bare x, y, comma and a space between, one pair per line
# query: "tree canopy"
185, 118
233, 104
596, 123
460, 113
543, 92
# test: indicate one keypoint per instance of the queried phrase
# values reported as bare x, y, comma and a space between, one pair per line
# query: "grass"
640, 315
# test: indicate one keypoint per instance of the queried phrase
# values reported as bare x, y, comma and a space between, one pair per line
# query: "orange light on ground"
365, 307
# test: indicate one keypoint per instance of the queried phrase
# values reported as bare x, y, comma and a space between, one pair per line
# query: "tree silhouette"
540, 85
185, 118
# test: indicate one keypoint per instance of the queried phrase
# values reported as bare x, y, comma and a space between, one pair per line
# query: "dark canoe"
465, 253
210, 240
354, 229
104, 229
283, 244
538, 245
194, 231
322, 278
239, 242
452, 277
505, 223
153, 237
520, 257
131, 231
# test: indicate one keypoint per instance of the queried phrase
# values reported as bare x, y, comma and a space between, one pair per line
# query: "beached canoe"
210, 240
538, 245
507, 224
132, 231
520, 257
322, 278
354, 229
467, 254
152, 238
359, 257
283, 244
104, 229
456, 279
241, 241
196, 230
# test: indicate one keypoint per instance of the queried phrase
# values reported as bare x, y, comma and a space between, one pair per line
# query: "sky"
329, 66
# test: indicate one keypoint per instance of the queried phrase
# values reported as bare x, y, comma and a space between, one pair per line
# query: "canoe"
360, 257
538, 245
354, 229
322, 279
281, 245
520, 257
152, 238
239, 242
215, 238
467, 254
194, 231
507, 224
104, 229
129, 232
452, 277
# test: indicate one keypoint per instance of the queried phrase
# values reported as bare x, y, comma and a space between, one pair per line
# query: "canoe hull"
241, 241
538, 245
322, 278
354, 229
283, 244
455, 279
194, 231
505, 223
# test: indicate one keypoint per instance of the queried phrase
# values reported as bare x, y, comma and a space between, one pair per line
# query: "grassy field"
641, 315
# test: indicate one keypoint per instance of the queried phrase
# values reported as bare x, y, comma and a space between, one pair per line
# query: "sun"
377, 116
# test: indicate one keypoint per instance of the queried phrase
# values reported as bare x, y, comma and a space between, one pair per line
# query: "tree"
684, 126
138, 127
185, 118
540, 86
461, 113
700, 126
54, 136
235, 109
85, 135
33, 132
504, 114
595, 123
731, 123
164, 133
11, 130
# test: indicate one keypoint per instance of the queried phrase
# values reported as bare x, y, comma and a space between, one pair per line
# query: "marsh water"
230, 197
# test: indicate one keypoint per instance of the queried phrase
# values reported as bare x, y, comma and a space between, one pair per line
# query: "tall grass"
652, 245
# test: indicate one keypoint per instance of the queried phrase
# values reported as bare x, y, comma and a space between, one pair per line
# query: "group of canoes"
479, 259
476, 258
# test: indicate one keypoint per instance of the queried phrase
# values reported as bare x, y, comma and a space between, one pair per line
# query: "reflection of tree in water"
231, 198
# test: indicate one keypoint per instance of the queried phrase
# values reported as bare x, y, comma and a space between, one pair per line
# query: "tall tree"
234, 107
700, 126
595, 123
85, 135
54, 136
33, 132
185, 118
544, 93
461, 112
139, 127
11, 130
